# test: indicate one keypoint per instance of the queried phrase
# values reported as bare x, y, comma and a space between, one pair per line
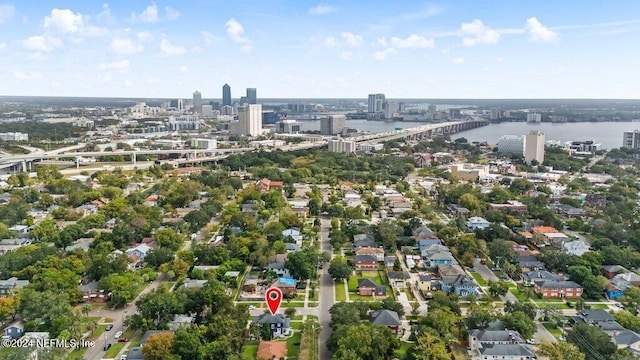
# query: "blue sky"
303, 49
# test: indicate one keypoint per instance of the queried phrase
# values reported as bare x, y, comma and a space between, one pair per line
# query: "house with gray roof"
388, 318
507, 352
595, 317
279, 324
480, 338
539, 276
627, 340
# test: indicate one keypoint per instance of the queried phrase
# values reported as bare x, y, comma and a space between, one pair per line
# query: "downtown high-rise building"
376, 103
197, 102
252, 95
226, 95
332, 125
250, 120
631, 140
534, 147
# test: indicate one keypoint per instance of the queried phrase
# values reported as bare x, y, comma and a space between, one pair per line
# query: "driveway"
543, 335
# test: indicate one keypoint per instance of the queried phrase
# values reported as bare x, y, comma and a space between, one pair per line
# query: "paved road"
488, 275
327, 292
117, 315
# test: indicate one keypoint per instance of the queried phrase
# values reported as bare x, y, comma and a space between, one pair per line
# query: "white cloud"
128, 83
208, 37
27, 75
144, 36
149, 15
41, 43
330, 41
476, 32
121, 65
126, 46
153, 80
184, 69
346, 55
235, 32
171, 13
458, 60
383, 41
65, 21
2, 45
6, 12
381, 55
168, 49
106, 78
322, 9
413, 41
36, 56
540, 33
351, 39
500, 59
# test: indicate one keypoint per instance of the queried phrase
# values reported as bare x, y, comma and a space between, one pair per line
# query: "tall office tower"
511, 144
226, 95
534, 147
390, 109
631, 140
376, 103
250, 120
251, 95
454, 113
534, 118
431, 109
197, 102
332, 125
180, 104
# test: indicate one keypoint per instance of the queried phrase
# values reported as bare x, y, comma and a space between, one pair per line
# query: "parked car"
118, 334
531, 341
251, 307
620, 305
123, 357
106, 346
109, 327
123, 339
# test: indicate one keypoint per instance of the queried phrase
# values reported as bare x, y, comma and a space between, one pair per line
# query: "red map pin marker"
273, 296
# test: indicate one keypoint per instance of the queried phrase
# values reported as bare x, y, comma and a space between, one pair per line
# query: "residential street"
327, 291
96, 352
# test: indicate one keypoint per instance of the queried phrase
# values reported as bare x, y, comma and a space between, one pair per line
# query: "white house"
295, 234
140, 251
476, 222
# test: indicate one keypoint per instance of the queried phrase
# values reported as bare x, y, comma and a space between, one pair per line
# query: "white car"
531, 341
118, 334
251, 307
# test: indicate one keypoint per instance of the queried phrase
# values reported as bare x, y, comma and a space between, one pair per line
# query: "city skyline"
312, 49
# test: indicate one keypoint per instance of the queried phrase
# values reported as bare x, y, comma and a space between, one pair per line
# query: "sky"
332, 49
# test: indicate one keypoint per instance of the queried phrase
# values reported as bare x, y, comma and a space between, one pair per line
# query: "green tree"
561, 350
498, 288
627, 320
519, 321
339, 269
591, 341
631, 300
158, 346
430, 346
365, 341
169, 238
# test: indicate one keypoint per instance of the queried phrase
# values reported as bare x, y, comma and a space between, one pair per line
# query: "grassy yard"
296, 325
340, 294
249, 352
479, 279
553, 329
117, 346
599, 306
401, 352
293, 345
292, 304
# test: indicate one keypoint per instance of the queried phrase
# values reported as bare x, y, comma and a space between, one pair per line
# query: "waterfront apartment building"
376, 103
631, 140
250, 120
342, 145
534, 147
534, 118
582, 147
332, 125
371, 147
226, 95
511, 144
184, 123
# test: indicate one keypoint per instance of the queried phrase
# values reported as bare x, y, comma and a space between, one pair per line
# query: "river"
609, 134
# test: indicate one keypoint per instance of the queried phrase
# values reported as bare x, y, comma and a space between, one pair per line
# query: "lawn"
599, 306
340, 294
296, 325
479, 279
401, 352
552, 329
516, 292
114, 349
249, 352
292, 304
293, 345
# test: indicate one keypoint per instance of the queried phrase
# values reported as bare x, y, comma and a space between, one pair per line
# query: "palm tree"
86, 309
